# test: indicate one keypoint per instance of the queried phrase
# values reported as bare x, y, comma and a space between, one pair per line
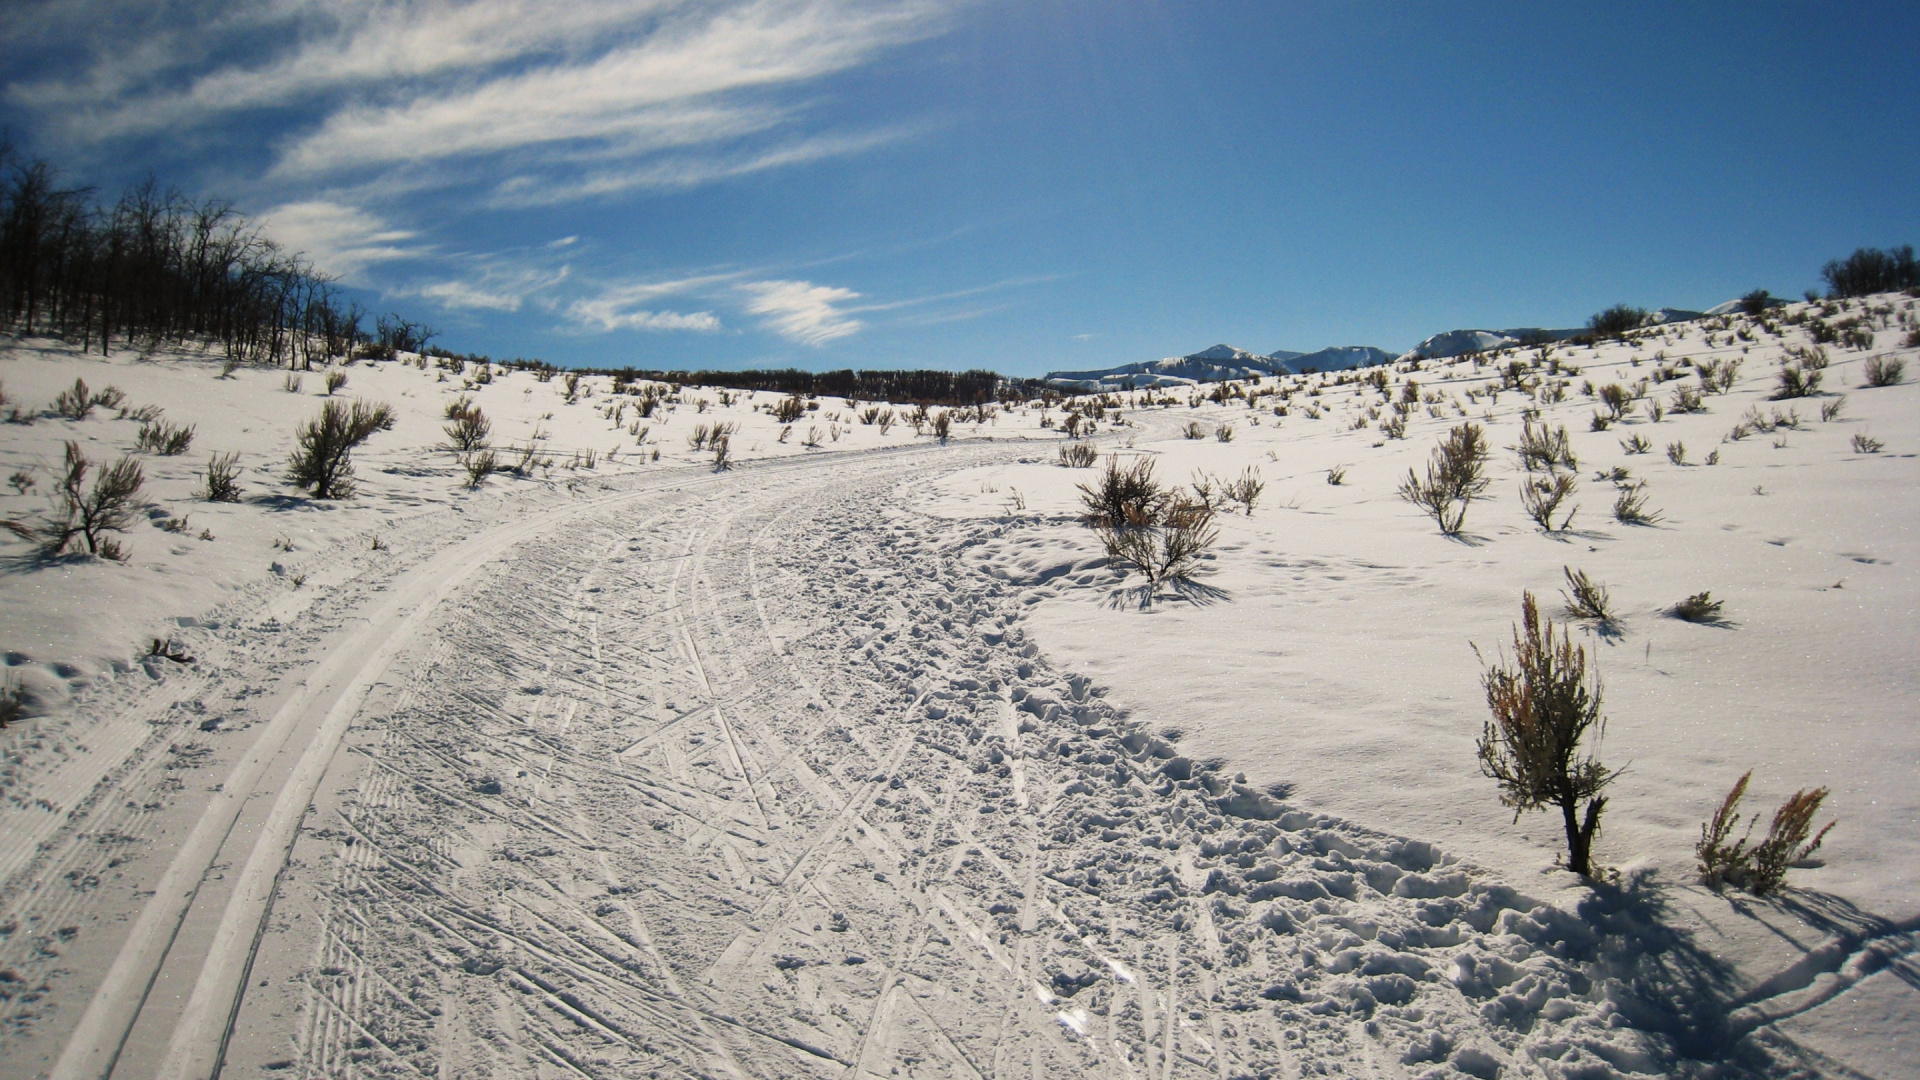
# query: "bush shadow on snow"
1664, 982
1141, 597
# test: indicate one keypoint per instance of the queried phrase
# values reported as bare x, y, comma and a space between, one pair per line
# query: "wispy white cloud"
802, 311
340, 240
494, 288
680, 171
426, 93
633, 306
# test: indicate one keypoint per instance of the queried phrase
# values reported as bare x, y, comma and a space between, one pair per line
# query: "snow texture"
861, 760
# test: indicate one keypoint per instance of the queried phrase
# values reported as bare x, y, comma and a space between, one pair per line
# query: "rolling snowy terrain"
860, 758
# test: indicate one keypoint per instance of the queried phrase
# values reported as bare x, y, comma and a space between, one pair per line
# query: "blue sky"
1019, 186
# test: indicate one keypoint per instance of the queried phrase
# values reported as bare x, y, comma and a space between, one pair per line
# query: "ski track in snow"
757, 775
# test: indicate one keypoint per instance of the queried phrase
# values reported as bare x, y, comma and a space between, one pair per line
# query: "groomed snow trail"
756, 775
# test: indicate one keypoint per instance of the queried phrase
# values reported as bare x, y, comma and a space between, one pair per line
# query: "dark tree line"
155, 267
952, 388
1870, 270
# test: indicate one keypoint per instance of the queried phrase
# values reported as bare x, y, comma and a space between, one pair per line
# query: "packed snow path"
756, 775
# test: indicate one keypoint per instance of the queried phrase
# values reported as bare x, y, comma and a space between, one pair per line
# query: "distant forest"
911, 387
156, 268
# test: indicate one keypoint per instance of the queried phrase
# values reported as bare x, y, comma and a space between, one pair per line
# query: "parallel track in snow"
756, 775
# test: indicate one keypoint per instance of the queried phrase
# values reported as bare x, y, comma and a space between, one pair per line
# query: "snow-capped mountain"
1461, 342
1216, 364
1337, 358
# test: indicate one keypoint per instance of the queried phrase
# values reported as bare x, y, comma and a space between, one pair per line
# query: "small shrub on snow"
322, 460
479, 464
1587, 598
1542, 495
1677, 453
1763, 867
1543, 708
1541, 449
85, 513
1078, 456
1701, 607
79, 401
1455, 477
222, 480
1122, 495
1800, 375
1886, 370
470, 430
1630, 506
1246, 488
1862, 444
335, 380
1618, 400
167, 440
1337, 475
1637, 444
1166, 545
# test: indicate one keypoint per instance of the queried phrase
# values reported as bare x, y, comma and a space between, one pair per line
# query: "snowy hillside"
863, 756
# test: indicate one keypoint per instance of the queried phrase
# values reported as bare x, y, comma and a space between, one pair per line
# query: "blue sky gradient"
1019, 186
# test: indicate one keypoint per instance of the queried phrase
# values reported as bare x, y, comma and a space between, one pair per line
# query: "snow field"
868, 764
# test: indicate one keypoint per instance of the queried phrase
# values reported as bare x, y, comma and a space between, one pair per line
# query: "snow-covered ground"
860, 760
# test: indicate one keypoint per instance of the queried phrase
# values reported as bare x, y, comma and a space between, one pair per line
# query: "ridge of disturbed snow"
761, 776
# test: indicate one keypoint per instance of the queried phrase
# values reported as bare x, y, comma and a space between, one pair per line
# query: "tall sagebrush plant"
322, 459
1544, 708
1455, 477
83, 513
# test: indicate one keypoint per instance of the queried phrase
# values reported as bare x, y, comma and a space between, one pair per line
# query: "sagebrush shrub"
479, 465
1246, 488
1542, 495
1078, 455
1542, 450
1122, 495
322, 460
167, 440
1618, 400
222, 480
1761, 868
75, 403
1167, 545
1543, 708
335, 380
1455, 477
1630, 506
1701, 607
1801, 373
1885, 370
1587, 598
89, 513
470, 430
